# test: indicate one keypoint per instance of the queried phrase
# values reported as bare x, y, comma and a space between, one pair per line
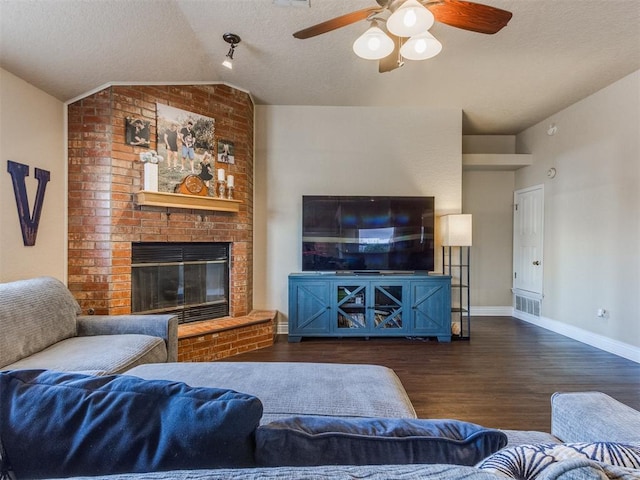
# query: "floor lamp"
456, 234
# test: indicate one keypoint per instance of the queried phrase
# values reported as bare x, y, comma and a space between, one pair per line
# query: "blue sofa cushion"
530, 461
314, 440
69, 424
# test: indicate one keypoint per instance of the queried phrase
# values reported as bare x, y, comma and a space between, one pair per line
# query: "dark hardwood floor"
503, 377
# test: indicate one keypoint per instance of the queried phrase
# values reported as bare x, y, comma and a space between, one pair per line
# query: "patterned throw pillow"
529, 461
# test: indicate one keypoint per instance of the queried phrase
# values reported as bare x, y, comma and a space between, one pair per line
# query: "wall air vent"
527, 305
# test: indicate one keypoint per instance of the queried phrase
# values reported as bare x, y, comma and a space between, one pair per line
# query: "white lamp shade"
456, 230
421, 47
410, 19
373, 44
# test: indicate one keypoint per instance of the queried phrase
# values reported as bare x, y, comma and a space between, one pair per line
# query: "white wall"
342, 151
592, 215
500, 144
32, 132
488, 196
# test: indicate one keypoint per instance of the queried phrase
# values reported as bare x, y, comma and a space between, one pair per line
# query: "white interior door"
528, 221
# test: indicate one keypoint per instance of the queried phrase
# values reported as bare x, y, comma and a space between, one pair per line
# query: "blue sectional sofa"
334, 421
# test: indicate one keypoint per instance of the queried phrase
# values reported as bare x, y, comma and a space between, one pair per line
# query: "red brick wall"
105, 174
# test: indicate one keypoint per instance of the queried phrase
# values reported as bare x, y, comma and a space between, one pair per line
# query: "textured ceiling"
552, 54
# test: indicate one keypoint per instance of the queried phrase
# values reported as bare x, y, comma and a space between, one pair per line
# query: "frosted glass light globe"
373, 44
410, 19
421, 47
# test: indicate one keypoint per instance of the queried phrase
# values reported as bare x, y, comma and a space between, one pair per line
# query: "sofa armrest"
593, 417
163, 326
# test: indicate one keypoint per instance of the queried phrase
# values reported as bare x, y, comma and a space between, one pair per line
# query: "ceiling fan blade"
393, 60
336, 23
470, 16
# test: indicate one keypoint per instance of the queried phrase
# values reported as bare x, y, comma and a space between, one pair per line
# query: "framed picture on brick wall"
137, 132
226, 152
186, 142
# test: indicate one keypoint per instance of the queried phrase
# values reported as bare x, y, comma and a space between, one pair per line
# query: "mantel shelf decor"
178, 200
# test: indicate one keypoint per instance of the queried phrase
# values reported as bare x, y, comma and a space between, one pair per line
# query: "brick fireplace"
105, 174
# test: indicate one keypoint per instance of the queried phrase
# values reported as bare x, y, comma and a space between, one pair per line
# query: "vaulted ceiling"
550, 55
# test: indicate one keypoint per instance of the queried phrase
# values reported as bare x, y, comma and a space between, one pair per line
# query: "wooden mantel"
178, 200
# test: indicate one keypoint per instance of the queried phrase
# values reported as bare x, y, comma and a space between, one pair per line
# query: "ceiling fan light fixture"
421, 47
410, 19
373, 44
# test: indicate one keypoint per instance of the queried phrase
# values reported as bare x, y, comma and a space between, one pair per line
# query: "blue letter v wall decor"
28, 223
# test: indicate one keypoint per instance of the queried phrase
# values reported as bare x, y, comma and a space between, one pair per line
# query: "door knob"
536, 263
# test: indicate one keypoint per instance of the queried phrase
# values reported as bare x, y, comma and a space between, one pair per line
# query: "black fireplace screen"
188, 279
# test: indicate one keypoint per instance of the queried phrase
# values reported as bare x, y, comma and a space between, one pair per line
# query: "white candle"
230, 180
220, 175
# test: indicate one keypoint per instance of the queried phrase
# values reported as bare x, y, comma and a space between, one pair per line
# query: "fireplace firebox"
188, 279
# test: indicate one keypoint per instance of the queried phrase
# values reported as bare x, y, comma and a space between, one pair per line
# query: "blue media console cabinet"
382, 305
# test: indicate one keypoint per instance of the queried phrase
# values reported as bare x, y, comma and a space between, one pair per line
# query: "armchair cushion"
85, 425
373, 441
34, 314
164, 326
110, 354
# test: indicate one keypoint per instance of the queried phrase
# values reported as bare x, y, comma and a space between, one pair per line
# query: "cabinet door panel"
309, 311
430, 307
388, 308
351, 307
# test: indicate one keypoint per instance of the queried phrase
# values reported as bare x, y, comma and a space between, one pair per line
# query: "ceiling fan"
400, 27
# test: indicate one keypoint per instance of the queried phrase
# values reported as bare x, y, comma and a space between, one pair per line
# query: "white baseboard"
282, 329
616, 347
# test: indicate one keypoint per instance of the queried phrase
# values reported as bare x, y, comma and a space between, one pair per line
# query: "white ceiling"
552, 53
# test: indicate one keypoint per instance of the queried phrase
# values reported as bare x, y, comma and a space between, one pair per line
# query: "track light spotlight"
233, 40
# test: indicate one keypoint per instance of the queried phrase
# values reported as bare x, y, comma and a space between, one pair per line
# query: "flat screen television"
367, 234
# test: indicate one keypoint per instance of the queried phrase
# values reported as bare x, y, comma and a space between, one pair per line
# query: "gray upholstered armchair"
42, 327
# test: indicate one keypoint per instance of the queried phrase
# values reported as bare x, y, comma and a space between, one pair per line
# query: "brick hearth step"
224, 337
